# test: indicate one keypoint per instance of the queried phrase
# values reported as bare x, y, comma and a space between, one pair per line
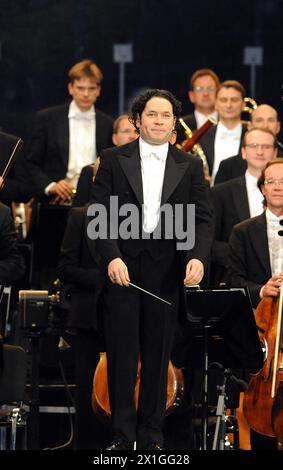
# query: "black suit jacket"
84, 186
48, 150
249, 261
231, 206
11, 263
120, 174
17, 185
207, 142
230, 168
79, 269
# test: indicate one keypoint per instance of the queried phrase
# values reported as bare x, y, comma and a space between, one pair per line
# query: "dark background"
41, 39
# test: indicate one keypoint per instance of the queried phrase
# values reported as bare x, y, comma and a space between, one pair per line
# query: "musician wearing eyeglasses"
256, 253
69, 136
202, 94
240, 198
263, 117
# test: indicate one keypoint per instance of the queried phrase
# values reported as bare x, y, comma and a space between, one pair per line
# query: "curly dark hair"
140, 103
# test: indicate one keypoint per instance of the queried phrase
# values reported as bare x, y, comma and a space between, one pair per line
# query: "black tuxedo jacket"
249, 261
207, 142
84, 186
48, 150
17, 185
79, 270
120, 174
11, 263
231, 206
230, 168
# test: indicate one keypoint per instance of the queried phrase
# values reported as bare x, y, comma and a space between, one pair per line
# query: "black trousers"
137, 324
89, 432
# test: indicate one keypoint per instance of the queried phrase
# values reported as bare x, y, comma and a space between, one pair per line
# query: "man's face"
125, 134
157, 121
273, 191
203, 94
85, 92
229, 104
259, 149
265, 116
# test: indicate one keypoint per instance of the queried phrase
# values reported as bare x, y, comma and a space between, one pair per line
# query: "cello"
263, 401
100, 395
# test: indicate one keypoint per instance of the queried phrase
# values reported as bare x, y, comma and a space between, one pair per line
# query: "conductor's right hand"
63, 189
118, 272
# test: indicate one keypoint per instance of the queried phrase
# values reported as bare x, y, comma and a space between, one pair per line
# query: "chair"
12, 392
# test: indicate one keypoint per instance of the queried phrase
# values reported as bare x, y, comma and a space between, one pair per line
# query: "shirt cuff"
46, 191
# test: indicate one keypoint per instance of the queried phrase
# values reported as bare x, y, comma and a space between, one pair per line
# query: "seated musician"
11, 263
17, 186
256, 252
79, 269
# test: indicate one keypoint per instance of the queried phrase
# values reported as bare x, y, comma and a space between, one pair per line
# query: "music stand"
222, 329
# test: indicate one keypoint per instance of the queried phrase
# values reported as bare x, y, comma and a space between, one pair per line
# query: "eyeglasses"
272, 182
260, 146
199, 88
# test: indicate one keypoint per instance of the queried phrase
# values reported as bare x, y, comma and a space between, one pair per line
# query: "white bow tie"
87, 116
225, 135
158, 156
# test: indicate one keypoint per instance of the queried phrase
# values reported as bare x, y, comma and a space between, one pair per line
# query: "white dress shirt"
82, 147
255, 197
226, 144
153, 161
275, 242
202, 118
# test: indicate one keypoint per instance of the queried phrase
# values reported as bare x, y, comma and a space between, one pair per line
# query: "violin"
263, 401
100, 395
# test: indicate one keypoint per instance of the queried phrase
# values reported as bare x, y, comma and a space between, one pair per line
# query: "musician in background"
202, 94
69, 136
11, 263
79, 270
240, 198
224, 140
17, 186
256, 253
265, 117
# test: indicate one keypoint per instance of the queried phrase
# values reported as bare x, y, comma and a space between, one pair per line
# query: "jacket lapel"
63, 133
240, 198
129, 160
259, 239
174, 172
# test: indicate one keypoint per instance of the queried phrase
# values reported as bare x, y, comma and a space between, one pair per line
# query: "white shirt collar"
270, 217
75, 112
251, 181
230, 133
202, 118
147, 149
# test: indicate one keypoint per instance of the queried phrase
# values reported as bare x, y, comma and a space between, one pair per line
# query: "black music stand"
222, 329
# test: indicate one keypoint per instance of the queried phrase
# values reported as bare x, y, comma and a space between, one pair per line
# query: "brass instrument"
250, 106
191, 144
